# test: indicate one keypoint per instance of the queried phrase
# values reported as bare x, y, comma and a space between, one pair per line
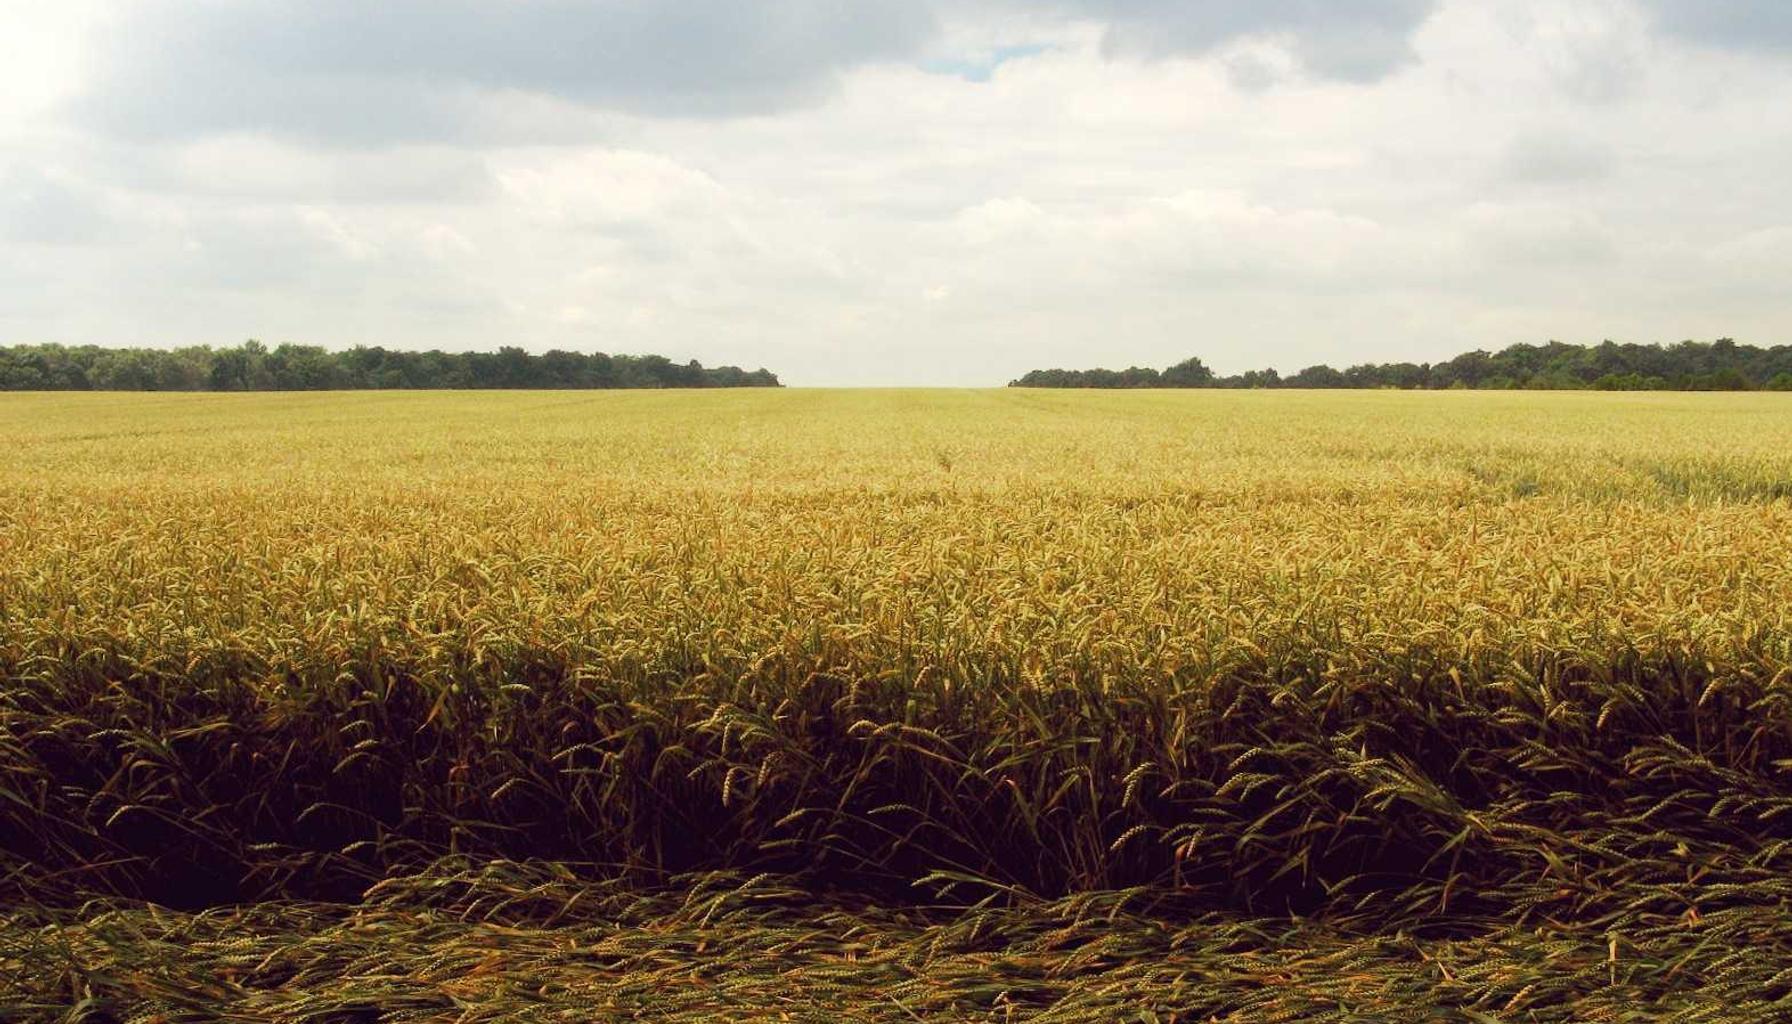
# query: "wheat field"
809, 705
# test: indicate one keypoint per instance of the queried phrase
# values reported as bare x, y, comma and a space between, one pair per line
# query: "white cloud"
42, 206
604, 188
1510, 236
1759, 257
1556, 158
259, 168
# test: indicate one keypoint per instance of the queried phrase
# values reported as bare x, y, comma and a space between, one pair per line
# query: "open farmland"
896, 705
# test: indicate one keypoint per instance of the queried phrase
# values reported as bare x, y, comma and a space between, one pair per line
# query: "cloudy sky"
907, 193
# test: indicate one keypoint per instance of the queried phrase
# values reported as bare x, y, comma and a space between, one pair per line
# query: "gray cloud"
416, 69
1356, 42
352, 73
1763, 25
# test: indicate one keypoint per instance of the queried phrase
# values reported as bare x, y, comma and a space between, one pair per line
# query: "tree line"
1721, 365
253, 366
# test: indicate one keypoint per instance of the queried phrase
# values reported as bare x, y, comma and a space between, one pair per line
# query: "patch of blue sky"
979, 67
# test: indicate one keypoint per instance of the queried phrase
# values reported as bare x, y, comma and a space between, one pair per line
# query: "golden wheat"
1459, 664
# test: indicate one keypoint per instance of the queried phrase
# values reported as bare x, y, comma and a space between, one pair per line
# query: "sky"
915, 193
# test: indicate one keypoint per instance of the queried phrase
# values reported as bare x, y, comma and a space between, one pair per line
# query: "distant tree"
230, 371
123, 370
1554, 380
1250, 379
1722, 365
1262, 379
1727, 378
24, 370
565, 370
1320, 376
1404, 375
513, 368
1190, 373
253, 367
1468, 369
1140, 377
